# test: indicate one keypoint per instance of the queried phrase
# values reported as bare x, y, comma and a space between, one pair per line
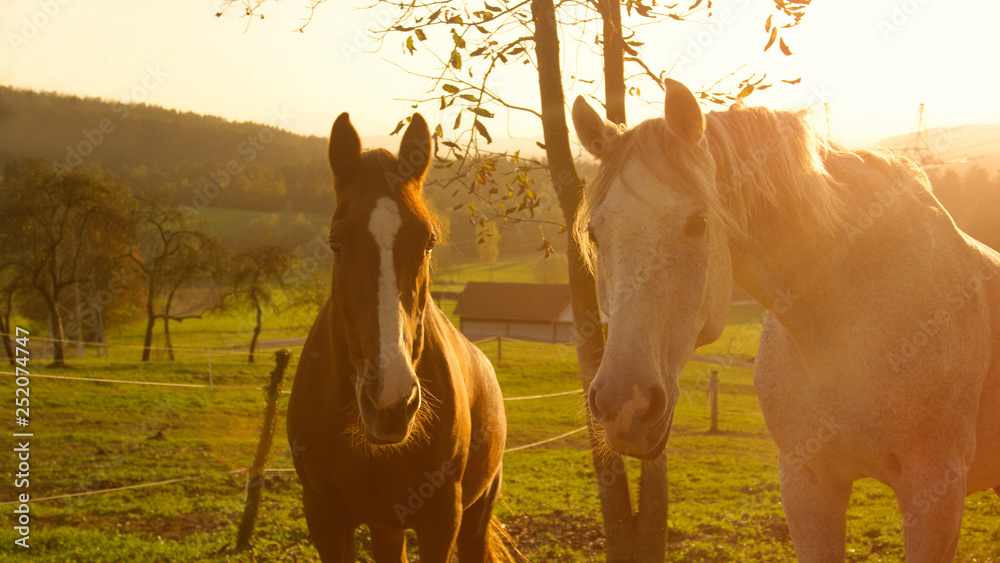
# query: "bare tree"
172, 252
8, 287
255, 277
56, 226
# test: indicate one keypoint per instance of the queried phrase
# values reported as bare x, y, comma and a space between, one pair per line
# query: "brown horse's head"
381, 237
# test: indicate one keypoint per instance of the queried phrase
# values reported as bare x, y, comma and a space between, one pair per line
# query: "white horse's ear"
594, 132
415, 149
682, 112
345, 151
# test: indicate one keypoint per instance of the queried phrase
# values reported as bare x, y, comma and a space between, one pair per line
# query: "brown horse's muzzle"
387, 423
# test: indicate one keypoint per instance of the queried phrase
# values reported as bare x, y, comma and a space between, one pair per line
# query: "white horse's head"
652, 226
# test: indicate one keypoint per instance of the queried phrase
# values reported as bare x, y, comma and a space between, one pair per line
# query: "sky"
872, 61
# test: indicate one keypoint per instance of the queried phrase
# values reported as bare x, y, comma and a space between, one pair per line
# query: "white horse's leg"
815, 505
931, 501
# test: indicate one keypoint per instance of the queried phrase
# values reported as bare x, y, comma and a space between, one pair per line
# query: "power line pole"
918, 149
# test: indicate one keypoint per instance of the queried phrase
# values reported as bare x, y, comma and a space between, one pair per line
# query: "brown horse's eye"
696, 225
431, 242
334, 245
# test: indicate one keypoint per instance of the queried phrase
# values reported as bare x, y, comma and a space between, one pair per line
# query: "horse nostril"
413, 401
592, 401
368, 396
657, 405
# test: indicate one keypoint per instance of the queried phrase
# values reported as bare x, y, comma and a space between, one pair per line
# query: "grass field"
224, 221
515, 269
725, 504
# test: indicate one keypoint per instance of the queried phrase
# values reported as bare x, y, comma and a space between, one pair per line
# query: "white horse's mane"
756, 170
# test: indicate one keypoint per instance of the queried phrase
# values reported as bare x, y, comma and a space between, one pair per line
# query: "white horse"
880, 355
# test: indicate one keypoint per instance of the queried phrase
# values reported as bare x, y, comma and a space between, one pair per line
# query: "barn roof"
513, 301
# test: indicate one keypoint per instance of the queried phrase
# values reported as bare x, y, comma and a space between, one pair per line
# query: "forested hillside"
207, 161
151, 147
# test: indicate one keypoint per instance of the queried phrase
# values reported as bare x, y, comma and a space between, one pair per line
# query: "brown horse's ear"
345, 151
682, 112
415, 149
594, 132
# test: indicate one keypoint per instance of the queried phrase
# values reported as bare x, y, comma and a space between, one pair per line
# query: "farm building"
538, 312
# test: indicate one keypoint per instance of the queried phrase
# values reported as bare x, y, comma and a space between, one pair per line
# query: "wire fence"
130, 487
128, 382
228, 387
196, 386
218, 349
212, 360
210, 386
245, 470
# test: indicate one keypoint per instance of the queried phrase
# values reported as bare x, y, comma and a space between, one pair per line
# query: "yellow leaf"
774, 35
784, 48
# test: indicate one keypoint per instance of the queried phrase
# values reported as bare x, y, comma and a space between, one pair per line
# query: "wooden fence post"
255, 478
499, 350
208, 352
713, 400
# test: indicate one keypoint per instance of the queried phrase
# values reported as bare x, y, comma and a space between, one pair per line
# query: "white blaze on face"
397, 378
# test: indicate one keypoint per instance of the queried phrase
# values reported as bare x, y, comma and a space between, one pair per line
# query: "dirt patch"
774, 526
174, 527
151, 526
548, 537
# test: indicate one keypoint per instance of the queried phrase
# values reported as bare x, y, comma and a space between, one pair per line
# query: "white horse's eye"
696, 225
592, 236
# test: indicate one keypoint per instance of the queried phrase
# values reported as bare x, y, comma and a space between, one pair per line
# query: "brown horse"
395, 420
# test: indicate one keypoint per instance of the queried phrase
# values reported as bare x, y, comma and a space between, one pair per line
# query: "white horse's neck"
786, 278
872, 271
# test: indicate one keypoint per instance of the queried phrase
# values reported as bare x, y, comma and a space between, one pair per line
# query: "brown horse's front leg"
388, 545
332, 536
474, 541
438, 524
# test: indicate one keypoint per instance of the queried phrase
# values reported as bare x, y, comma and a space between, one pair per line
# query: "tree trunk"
256, 329
150, 324
5, 333
614, 61
616, 502
166, 335
58, 354
166, 327
629, 537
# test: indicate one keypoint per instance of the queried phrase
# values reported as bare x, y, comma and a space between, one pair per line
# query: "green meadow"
725, 504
